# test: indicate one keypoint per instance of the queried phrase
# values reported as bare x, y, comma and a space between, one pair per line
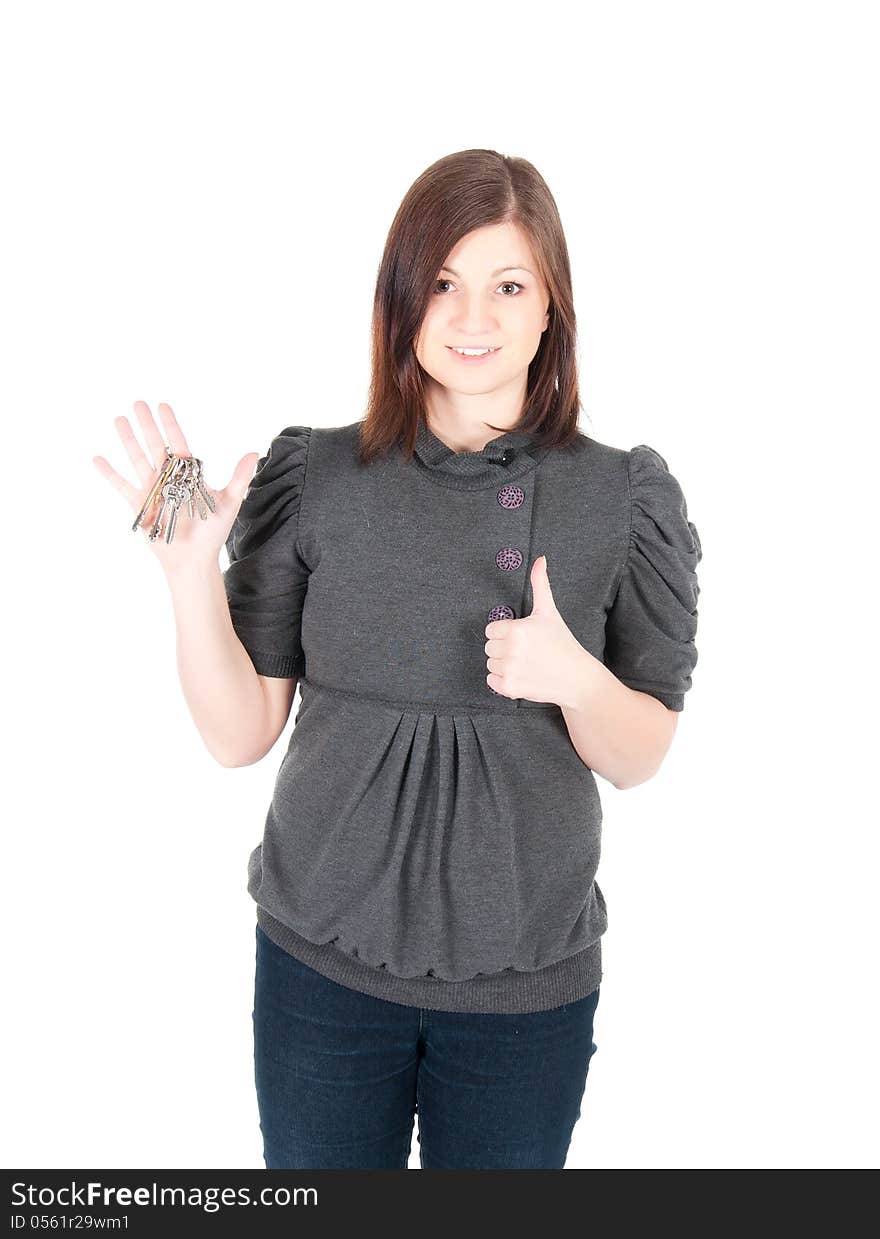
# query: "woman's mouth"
472, 355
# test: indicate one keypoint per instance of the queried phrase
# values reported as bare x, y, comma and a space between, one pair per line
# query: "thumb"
542, 595
243, 475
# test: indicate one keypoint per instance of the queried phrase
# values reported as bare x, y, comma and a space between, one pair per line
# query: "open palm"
195, 540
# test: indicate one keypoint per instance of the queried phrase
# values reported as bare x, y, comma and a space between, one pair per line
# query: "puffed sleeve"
651, 626
267, 578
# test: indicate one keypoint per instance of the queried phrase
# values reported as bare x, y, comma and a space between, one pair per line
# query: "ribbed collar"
504, 456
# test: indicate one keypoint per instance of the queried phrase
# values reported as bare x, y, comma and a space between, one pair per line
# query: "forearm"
221, 687
621, 734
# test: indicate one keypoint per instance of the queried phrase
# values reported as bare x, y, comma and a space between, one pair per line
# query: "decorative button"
511, 496
509, 559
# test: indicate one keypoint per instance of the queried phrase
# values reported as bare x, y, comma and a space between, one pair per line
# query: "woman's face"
488, 295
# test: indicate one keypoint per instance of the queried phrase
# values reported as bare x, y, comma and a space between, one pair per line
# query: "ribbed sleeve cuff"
284, 666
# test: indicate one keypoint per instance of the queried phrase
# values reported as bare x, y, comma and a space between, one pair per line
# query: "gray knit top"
429, 841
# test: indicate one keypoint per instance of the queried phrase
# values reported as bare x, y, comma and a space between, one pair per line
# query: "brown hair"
460, 192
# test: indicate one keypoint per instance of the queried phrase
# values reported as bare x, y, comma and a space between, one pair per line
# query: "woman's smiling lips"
473, 358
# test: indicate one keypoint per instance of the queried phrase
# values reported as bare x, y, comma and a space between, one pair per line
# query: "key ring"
179, 482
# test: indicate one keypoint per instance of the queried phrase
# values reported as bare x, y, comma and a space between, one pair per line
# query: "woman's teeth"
472, 352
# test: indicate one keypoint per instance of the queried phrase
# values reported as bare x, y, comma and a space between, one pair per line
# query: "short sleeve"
267, 578
651, 626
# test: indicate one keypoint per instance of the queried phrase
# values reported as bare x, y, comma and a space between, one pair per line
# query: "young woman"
482, 607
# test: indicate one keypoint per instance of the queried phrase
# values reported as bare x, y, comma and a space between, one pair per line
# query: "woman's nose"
474, 314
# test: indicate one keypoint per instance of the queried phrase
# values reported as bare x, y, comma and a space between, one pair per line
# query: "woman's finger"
143, 467
173, 433
152, 434
118, 482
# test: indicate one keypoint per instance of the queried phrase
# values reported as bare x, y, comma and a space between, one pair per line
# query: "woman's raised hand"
195, 541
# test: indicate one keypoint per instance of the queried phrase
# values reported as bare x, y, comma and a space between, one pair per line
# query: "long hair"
460, 192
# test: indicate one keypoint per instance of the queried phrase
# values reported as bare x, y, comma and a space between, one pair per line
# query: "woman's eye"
506, 284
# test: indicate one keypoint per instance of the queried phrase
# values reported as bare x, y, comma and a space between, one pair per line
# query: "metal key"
157, 524
185, 478
190, 481
177, 464
165, 472
177, 493
201, 506
200, 486
172, 497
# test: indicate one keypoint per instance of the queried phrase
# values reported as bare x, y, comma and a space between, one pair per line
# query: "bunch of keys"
179, 482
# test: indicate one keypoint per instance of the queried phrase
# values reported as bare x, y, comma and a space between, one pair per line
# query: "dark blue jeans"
340, 1076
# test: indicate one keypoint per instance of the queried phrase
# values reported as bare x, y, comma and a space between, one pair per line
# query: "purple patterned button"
511, 496
509, 559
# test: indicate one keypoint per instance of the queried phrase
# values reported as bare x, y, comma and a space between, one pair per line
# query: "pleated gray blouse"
429, 841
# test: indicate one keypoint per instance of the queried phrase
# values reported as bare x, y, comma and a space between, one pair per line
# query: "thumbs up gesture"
536, 657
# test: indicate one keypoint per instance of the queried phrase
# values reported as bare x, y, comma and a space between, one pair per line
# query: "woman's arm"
225, 696
620, 733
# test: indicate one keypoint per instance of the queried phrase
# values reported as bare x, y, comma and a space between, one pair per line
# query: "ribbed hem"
505, 993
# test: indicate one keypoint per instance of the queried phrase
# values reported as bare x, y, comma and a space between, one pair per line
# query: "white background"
195, 202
